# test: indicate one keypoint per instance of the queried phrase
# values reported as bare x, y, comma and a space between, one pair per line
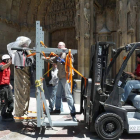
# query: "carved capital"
130, 30
119, 31
87, 36
77, 37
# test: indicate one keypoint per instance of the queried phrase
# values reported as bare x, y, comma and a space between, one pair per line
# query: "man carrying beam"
63, 84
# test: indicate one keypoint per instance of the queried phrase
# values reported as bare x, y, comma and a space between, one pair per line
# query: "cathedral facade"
79, 23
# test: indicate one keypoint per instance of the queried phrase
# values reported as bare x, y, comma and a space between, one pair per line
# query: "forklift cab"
101, 100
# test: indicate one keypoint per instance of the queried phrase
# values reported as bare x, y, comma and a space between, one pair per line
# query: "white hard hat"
5, 56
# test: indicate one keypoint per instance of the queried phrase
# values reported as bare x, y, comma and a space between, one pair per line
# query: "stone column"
84, 34
126, 29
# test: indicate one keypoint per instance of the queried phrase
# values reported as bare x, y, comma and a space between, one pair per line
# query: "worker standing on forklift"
6, 96
132, 84
63, 84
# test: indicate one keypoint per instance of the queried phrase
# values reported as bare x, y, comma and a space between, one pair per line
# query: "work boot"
73, 117
55, 111
51, 110
122, 103
7, 118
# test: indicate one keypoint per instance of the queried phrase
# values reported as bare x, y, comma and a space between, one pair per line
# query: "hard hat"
5, 56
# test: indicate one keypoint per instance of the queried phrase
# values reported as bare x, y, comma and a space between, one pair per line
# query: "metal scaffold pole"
43, 114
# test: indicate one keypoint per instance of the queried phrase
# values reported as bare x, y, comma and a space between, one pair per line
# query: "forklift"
101, 99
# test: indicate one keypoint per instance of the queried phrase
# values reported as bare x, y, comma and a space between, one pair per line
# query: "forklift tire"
109, 126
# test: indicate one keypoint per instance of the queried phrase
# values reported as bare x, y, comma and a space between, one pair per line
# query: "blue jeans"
63, 85
50, 94
132, 84
52, 97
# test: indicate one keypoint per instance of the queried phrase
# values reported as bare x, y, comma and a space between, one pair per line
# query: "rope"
69, 73
38, 83
31, 54
32, 112
47, 71
42, 43
68, 63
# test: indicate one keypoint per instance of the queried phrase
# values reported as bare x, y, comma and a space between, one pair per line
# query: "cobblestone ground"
25, 131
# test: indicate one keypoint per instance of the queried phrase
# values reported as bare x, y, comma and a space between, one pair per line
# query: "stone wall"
18, 17
84, 34
76, 22
121, 17
7, 35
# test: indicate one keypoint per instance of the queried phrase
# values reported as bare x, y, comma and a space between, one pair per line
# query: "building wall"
18, 17
122, 19
76, 22
7, 35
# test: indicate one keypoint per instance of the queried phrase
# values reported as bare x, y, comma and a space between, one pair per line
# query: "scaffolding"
45, 119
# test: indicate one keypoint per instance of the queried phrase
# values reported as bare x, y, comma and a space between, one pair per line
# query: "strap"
47, 71
32, 112
31, 54
38, 83
48, 74
69, 73
42, 43
25, 118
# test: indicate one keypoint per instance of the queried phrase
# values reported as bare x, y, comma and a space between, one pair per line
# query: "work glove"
61, 60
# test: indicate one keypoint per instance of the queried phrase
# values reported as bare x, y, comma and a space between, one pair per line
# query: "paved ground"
24, 131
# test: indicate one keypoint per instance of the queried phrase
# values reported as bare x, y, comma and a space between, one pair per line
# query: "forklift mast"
98, 75
99, 66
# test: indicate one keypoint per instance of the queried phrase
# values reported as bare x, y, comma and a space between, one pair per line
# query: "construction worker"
132, 84
6, 96
63, 84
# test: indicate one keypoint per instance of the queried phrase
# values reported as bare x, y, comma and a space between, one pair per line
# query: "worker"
6, 95
132, 84
63, 84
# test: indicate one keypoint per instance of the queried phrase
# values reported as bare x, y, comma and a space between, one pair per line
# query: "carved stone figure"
87, 36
